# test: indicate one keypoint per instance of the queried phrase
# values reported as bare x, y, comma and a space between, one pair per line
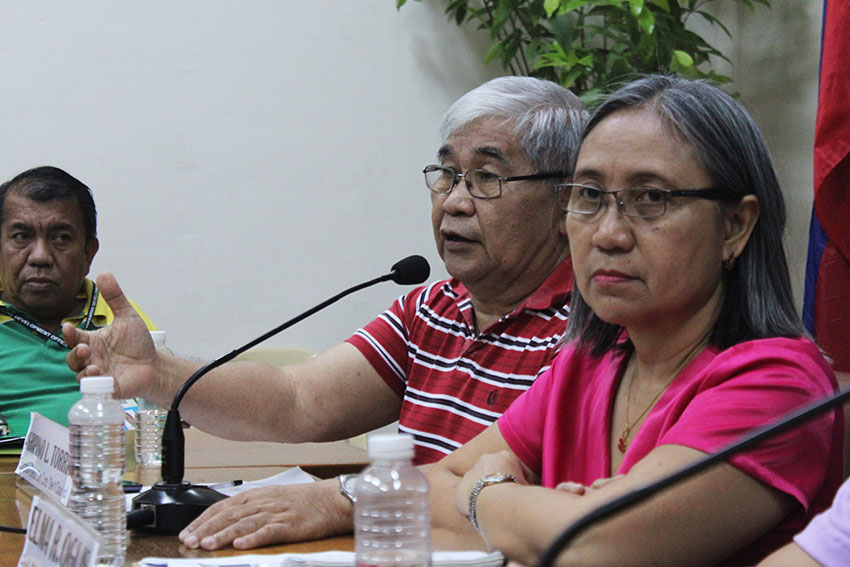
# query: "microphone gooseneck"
807, 412
176, 503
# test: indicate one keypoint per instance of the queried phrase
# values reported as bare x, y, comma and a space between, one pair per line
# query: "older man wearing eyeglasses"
445, 360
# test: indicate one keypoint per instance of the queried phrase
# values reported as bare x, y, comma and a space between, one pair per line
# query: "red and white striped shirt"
455, 383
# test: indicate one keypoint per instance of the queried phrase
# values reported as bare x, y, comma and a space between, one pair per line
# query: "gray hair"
547, 117
758, 302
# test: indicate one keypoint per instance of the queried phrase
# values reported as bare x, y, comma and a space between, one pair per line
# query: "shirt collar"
555, 289
553, 292
85, 292
100, 308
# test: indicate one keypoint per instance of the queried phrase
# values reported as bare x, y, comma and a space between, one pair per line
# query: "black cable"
135, 519
140, 518
12, 530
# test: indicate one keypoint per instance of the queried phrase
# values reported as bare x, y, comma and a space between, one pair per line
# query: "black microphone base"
175, 505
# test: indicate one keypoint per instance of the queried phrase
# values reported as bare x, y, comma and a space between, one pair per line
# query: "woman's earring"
729, 263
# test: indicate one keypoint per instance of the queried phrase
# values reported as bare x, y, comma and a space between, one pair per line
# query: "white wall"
775, 57
248, 159
251, 159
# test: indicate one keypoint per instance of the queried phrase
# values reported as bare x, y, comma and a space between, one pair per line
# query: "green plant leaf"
562, 29
552, 54
503, 11
510, 46
714, 21
570, 78
573, 5
662, 4
594, 45
646, 21
459, 9
751, 7
495, 52
636, 7
682, 58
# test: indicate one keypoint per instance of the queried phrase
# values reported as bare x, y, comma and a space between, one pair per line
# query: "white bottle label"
45, 461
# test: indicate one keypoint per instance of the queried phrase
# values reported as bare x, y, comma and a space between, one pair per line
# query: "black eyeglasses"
480, 183
642, 202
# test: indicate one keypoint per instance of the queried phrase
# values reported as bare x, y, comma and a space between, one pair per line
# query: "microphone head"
411, 270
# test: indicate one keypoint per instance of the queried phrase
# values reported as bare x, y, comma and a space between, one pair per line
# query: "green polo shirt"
33, 372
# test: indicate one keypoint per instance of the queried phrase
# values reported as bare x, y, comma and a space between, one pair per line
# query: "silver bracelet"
346, 486
486, 480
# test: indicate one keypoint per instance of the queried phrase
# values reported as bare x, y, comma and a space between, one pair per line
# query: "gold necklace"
623, 441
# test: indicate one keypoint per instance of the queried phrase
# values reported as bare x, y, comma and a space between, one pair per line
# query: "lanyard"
35, 328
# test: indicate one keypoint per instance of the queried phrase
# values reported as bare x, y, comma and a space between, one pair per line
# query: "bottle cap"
390, 446
158, 338
97, 385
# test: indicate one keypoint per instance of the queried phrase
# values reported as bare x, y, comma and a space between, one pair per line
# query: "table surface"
324, 460
208, 459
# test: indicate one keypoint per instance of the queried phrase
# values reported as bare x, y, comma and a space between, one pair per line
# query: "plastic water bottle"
392, 521
150, 420
96, 443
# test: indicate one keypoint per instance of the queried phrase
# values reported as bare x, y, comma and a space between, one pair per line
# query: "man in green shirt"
48, 239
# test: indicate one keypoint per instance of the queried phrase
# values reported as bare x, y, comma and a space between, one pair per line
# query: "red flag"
832, 186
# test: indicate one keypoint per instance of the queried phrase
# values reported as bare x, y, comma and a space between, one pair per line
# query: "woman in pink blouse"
682, 337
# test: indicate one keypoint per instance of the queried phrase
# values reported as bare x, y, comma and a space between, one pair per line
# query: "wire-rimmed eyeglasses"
642, 202
480, 183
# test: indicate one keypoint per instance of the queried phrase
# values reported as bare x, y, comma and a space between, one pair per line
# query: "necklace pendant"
623, 441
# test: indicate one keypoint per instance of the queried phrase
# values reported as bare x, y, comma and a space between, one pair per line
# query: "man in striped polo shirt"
445, 360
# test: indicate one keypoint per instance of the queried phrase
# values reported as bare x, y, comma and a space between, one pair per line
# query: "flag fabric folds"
826, 309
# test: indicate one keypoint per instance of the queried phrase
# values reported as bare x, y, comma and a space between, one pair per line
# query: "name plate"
45, 461
56, 537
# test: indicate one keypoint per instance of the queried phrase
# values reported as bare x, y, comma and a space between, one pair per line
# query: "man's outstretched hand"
123, 350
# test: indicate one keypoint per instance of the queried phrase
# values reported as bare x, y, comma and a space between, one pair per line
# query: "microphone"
410, 270
176, 503
629, 499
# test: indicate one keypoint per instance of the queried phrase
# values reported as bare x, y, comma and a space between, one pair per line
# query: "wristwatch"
486, 480
346, 486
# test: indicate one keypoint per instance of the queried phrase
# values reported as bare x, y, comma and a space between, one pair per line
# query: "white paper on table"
290, 476
324, 559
